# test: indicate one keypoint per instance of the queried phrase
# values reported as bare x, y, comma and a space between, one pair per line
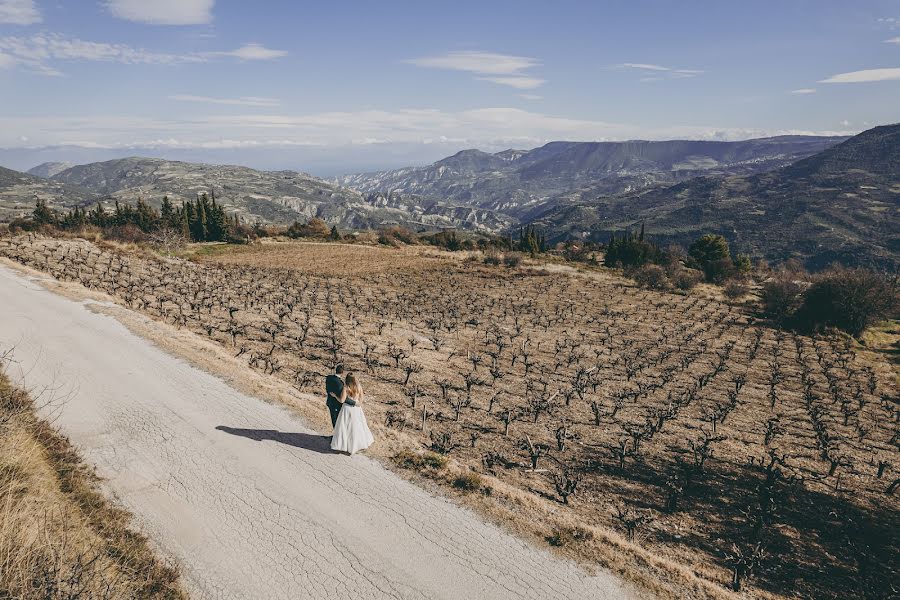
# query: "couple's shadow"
307, 441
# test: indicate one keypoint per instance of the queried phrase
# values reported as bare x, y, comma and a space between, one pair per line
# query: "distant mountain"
521, 184
842, 204
266, 196
49, 169
19, 191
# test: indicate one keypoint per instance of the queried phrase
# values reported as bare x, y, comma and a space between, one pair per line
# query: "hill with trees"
840, 205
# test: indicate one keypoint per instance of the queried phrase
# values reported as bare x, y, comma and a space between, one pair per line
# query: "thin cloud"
895, 40
656, 72
37, 53
521, 83
19, 12
864, 76
502, 69
242, 101
802, 91
530, 97
252, 52
163, 12
484, 127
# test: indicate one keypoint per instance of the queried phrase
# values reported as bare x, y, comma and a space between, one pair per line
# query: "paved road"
249, 501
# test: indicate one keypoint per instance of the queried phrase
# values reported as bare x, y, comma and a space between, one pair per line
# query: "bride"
351, 432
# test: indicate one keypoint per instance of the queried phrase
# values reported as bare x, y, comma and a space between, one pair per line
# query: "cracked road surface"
247, 500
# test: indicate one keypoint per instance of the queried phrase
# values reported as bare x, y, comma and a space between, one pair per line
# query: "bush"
512, 260
568, 536
492, 258
850, 299
781, 297
392, 236
687, 279
428, 460
735, 288
652, 277
315, 227
469, 482
128, 233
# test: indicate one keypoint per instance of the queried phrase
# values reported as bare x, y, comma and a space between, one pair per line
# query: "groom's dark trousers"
333, 387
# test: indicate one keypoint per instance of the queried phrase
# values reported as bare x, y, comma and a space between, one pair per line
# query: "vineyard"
766, 461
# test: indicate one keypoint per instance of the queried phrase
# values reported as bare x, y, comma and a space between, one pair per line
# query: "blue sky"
339, 86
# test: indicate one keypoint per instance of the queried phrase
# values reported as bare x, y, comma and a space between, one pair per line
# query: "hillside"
267, 196
522, 183
838, 205
49, 169
18, 192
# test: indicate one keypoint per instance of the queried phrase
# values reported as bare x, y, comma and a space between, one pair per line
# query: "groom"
334, 387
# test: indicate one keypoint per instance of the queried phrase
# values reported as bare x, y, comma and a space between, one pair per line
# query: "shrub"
446, 240
427, 460
568, 536
315, 227
492, 258
850, 299
781, 296
686, 279
512, 260
393, 235
735, 288
128, 233
468, 482
652, 277
742, 264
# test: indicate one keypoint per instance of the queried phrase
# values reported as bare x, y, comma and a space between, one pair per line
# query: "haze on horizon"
352, 86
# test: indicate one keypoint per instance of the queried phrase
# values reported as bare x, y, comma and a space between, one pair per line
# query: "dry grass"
323, 259
59, 537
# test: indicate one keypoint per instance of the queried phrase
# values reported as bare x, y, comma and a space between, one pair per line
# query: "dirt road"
247, 500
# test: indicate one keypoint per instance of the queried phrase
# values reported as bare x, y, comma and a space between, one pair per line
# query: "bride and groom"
351, 432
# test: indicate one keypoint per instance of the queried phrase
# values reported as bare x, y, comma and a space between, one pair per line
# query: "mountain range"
524, 183
839, 205
819, 198
280, 197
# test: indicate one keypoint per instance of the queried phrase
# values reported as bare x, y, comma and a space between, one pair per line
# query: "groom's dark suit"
334, 386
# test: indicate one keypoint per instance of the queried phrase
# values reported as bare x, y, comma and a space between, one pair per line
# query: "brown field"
59, 538
672, 438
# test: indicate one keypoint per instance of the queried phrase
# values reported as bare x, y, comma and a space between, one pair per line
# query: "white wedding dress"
351, 431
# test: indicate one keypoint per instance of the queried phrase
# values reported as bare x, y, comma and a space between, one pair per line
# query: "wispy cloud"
503, 69
242, 101
518, 82
530, 97
19, 12
894, 40
252, 52
497, 127
802, 91
163, 12
39, 52
655, 72
864, 76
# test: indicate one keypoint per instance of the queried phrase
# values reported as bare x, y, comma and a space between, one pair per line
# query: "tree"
630, 251
712, 255
742, 264
43, 214
167, 212
335, 235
